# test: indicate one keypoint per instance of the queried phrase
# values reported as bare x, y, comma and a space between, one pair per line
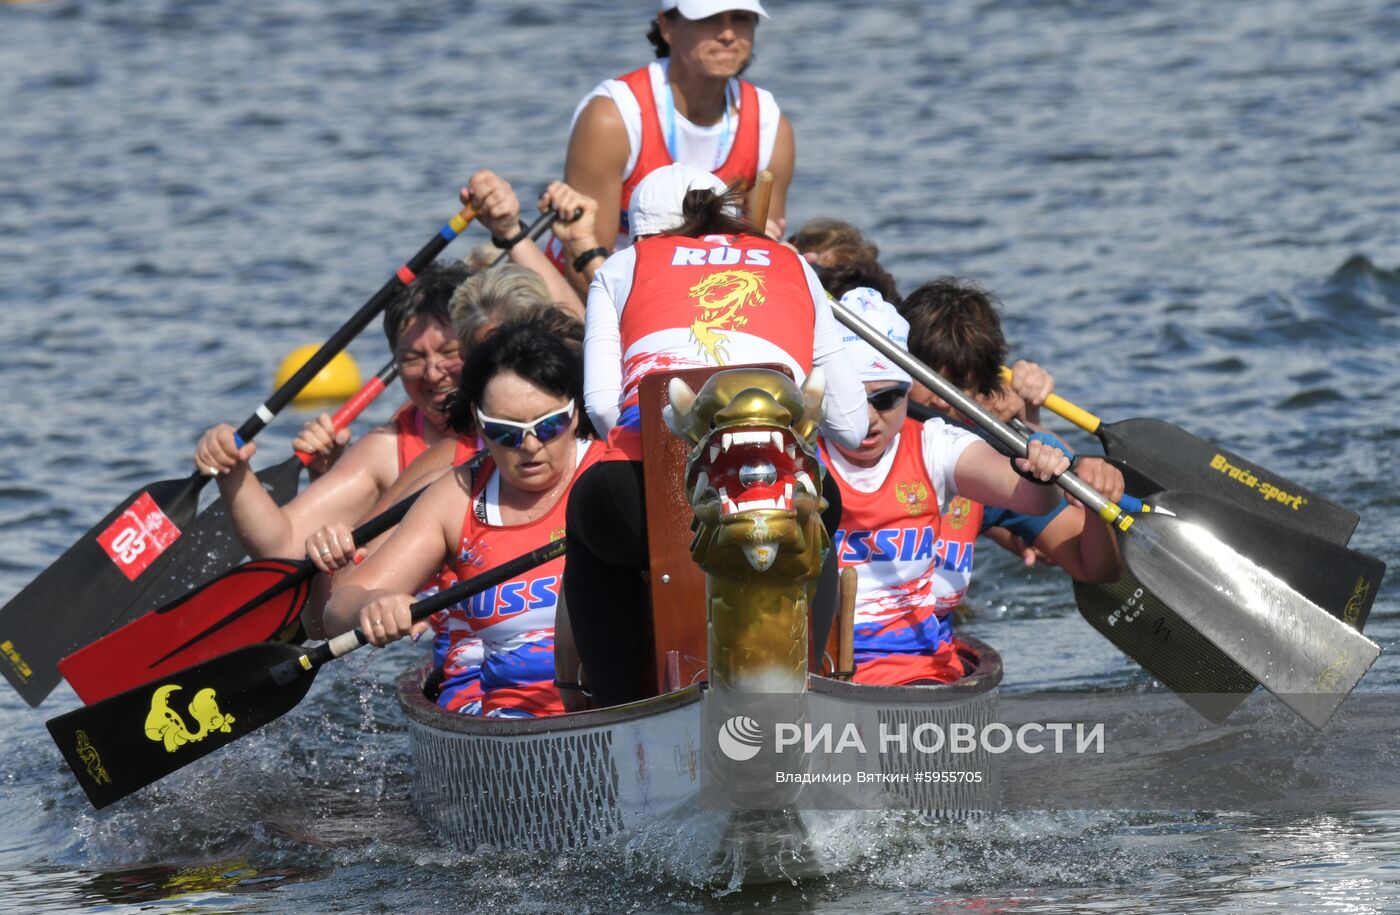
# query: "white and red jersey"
733, 150
673, 302
892, 534
514, 620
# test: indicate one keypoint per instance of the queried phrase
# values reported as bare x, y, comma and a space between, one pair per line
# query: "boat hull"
587, 779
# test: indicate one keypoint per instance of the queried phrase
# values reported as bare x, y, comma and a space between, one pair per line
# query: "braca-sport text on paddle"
1175, 459
85, 591
1305, 656
124, 743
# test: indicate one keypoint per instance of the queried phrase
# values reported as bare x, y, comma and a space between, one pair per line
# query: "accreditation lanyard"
720, 152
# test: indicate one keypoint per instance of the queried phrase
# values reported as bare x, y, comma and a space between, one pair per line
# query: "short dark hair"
708, 213
843, 277
954, 328
545, 348
428, 296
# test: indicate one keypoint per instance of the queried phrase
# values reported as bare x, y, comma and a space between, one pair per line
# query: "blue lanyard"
671, 127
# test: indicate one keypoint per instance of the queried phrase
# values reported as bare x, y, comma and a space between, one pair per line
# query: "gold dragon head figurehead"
752, 476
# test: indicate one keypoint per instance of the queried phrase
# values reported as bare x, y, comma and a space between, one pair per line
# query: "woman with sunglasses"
894, 486
522, 393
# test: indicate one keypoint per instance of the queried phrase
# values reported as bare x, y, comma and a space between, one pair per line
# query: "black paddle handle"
965, 405
347, 642
351, 328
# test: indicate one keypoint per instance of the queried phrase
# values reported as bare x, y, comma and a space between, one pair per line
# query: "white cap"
704, 9
872, 365
656, 200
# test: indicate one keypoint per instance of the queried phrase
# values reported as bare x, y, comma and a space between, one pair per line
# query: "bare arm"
596, 159
1077, 540
376, 594
983, 475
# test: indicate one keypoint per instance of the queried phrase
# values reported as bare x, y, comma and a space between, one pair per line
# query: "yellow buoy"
337, 381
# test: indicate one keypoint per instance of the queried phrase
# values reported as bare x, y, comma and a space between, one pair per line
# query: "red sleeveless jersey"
741, 163
411, 443
716, 300
408, 432
514, 620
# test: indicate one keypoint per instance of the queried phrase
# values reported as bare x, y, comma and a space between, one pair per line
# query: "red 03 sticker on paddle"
138, 536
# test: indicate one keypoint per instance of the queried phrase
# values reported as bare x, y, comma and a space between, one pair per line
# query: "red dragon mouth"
751, 469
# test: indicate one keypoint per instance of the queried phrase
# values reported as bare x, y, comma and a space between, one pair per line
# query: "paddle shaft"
352, 408
358, 321
760, 199
347, 642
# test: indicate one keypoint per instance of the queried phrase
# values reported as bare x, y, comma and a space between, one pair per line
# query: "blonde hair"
494, 296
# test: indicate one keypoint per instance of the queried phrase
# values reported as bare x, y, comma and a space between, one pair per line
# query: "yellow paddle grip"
1064, 409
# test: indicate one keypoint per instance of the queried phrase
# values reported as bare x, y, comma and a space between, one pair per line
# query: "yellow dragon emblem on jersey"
720, 296
167, 726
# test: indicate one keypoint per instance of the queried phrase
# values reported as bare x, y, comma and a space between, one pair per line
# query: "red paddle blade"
256, 602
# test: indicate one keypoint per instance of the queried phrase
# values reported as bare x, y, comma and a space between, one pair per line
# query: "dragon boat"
693, 766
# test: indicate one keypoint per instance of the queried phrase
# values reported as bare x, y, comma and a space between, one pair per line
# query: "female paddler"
688, 106
429, 353
523, 393
645, 314
894, 486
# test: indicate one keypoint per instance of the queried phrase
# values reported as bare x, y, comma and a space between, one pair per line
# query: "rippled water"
1188, 207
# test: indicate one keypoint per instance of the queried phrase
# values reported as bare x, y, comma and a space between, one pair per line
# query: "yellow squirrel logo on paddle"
720, 297
165, 725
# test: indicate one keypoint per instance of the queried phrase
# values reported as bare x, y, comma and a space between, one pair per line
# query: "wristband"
584, 259
505, 244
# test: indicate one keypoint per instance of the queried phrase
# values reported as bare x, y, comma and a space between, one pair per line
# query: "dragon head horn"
813, 395
677, 412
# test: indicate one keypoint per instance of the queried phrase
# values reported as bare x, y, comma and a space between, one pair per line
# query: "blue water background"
1190, 209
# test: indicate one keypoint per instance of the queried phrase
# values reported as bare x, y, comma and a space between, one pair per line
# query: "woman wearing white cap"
698, 288
688, 106
894, 485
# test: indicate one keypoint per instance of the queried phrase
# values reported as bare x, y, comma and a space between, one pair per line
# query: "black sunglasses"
889, 398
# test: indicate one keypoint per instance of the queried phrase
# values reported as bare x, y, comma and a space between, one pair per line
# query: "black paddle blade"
140, 736
1165, 645
1178, 460
209, 546
76, 599
1307, 658
259, 601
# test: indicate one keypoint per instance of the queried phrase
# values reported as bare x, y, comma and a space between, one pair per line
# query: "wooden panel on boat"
678, 619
